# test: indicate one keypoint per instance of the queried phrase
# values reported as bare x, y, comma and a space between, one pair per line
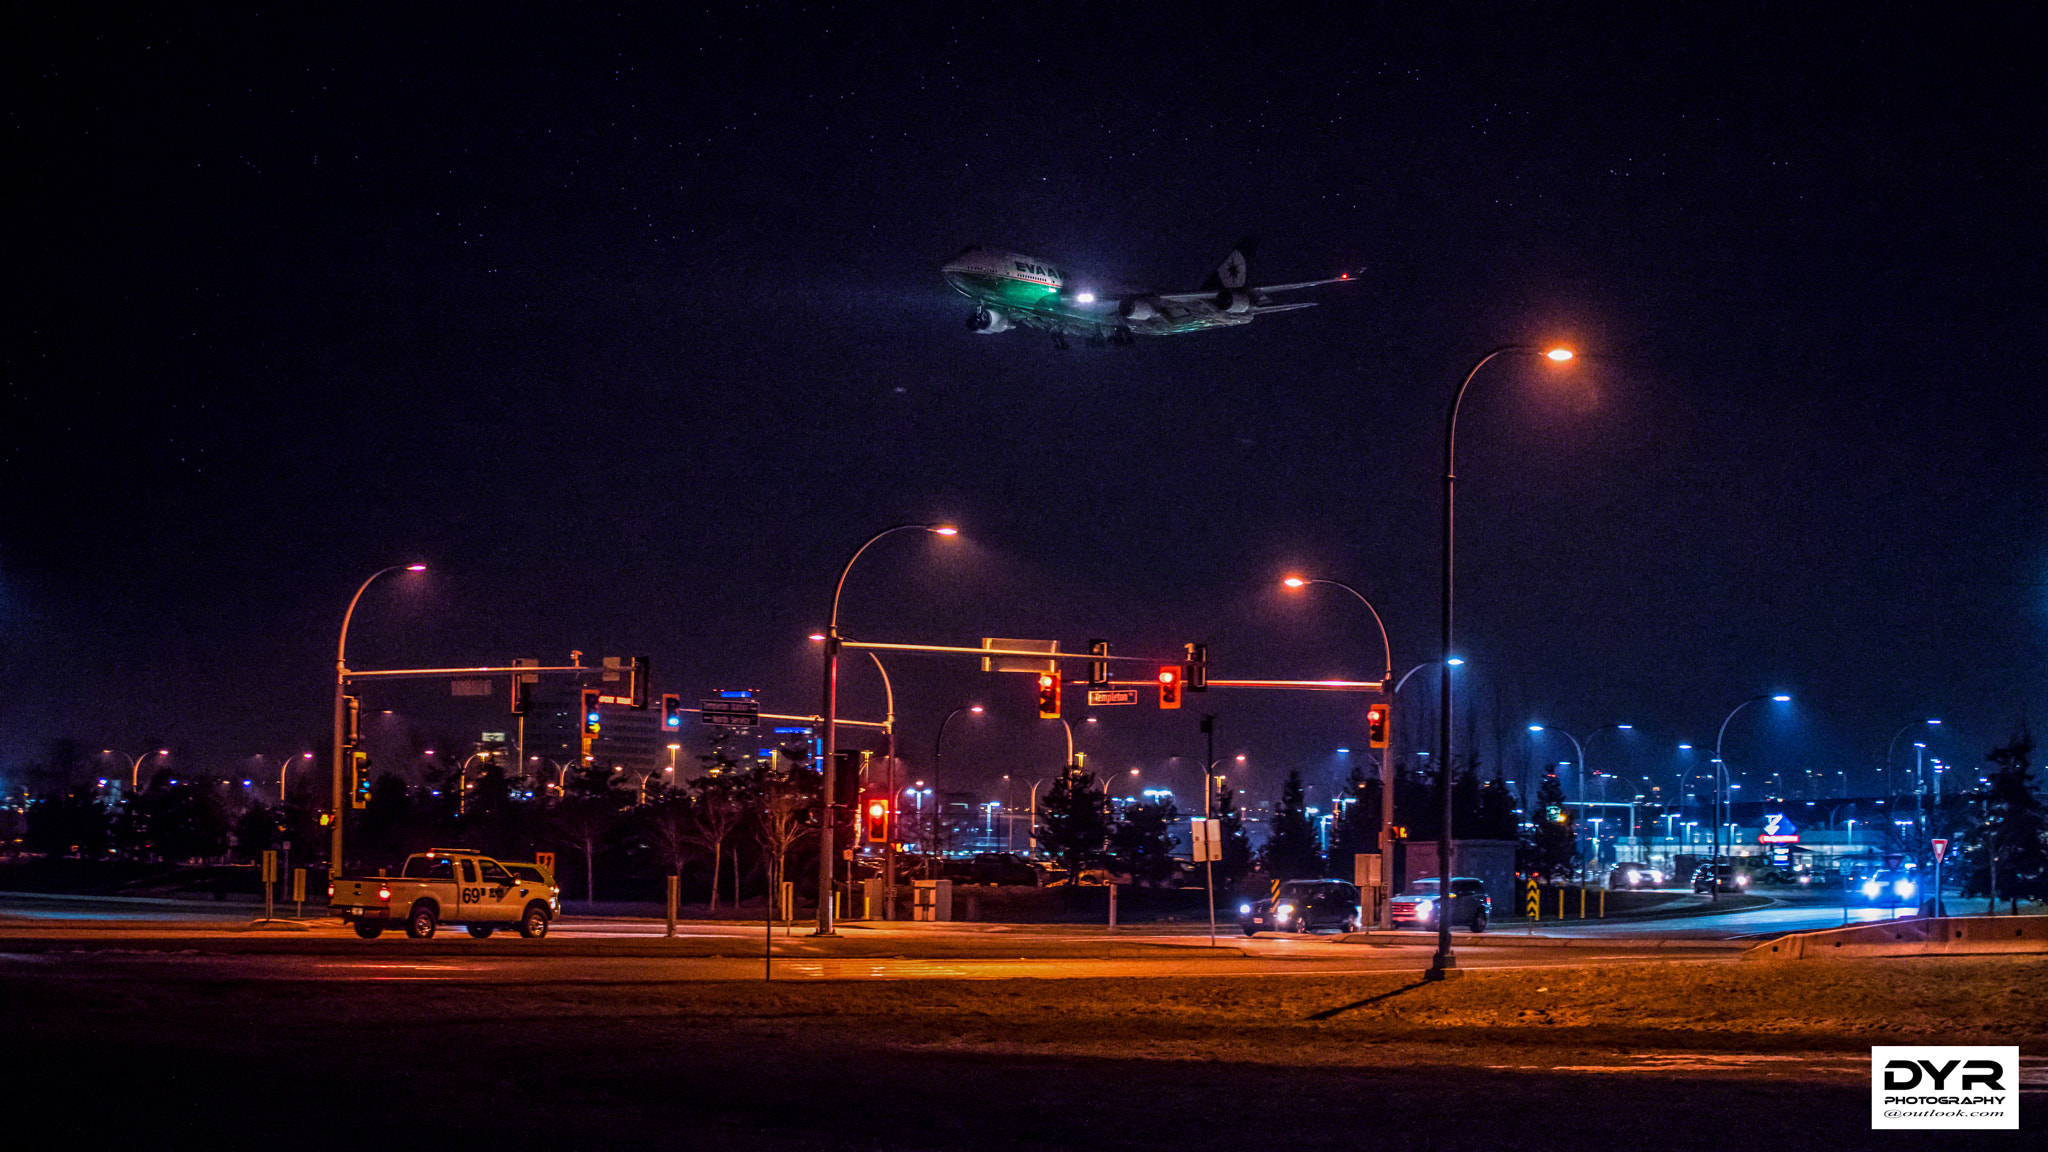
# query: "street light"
1580, 749
1387, 685
938, 809
1445, 961
284, 768
1890, 747
339, 797
135, 764
1722, 799
828, 736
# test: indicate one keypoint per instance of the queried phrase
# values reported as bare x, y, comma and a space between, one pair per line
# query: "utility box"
932, 900
874, 895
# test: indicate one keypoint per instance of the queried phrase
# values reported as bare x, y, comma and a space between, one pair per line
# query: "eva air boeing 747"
1011, 290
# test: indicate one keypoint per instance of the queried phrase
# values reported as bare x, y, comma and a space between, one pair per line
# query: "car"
1418, 906
1005, 868
1732, 879
1635, 876
1304, 906
1888, 889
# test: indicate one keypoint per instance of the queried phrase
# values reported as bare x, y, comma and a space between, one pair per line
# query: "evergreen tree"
1357, 826
1073, 823
1553, 848
1496, 812
1141, 844
1291, 852
1236, 859
2008, 852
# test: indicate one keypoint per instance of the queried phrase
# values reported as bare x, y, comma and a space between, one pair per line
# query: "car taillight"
383, 893
330, 891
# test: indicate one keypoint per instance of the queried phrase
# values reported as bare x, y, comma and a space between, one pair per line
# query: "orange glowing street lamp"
338, 798
1445, 961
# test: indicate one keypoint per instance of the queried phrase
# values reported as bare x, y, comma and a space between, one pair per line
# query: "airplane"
1012, 290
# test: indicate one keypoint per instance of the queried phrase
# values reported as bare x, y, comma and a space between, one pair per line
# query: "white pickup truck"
449, 886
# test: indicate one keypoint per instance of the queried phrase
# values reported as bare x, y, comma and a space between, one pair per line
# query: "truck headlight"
1282, 911
1871, 888
1244, 909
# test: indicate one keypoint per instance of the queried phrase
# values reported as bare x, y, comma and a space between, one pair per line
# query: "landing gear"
1059, 341
1096, 340
1122, 336
977, 320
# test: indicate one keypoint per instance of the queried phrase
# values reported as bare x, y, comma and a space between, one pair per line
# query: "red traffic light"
878, 820
1048, 696
1169, 686
1376, 720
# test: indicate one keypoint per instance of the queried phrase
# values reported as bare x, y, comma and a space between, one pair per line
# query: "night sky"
631, 327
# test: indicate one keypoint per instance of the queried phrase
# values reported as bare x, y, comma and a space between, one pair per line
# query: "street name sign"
1098, 697
732, 713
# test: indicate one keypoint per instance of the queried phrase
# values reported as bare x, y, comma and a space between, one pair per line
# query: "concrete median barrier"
1921, 936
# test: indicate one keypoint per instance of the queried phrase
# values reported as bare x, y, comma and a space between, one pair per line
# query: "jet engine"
1234, 301
989, 321
1137, 309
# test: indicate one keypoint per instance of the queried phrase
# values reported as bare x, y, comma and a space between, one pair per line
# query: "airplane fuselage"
1013, 290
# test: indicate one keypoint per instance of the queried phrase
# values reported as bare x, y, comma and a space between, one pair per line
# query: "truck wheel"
368, 931
481, 931
420, 925
534, 924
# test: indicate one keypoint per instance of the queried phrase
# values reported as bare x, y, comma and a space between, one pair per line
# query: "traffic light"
878, 820
351, 721
1198, 667
1169, 686
671, 712
1048, 696
1098, 668
358, 779
1376, 720
592, 721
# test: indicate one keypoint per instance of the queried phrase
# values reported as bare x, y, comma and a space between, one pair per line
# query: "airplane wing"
1259, 289
1262, 309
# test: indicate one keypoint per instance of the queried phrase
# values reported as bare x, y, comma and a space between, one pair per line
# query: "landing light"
1085, 298
1559, 354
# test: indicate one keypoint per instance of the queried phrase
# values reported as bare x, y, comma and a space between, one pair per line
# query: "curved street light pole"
827, 865
1893, 746
286, 767
889, 735
938, 800
337, 798
1388, 686
1721, 801
1445, 961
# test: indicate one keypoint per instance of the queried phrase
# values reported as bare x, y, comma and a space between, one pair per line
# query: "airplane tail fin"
1235, 271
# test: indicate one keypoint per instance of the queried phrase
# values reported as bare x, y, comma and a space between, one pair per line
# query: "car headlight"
1282, 911
1904, 888
1742, 881
1871, 888
1244, 909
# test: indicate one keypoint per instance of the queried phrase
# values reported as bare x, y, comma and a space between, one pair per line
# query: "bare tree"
782, 797
717, 810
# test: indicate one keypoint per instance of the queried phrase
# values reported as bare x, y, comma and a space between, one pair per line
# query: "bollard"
674, 882
1582, 901
1112, 907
